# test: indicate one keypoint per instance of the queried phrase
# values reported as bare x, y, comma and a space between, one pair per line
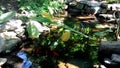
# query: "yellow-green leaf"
46, 15
66, 35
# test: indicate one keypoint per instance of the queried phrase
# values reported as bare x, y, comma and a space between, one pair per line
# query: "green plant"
67, 39
6, 16
32, 31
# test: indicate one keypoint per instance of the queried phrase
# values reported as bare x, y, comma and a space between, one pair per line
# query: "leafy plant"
67, 38
6, 16
32, 31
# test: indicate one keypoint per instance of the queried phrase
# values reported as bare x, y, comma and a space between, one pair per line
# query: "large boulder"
8, 34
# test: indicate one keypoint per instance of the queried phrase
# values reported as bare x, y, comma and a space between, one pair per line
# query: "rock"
61, 64
2, 43
10, 25
69, 65
75, 63
27, 14
93, 3
11, 29
8, 34
115, 7
78, 63
20, 31
2, 61
11, 44
8, 41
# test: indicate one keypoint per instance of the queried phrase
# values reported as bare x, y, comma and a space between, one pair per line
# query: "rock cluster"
10, 30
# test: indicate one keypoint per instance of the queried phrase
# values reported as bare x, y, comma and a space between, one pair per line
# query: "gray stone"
8, 34
2, 43
2, 61
10, 25
20, 31
10, 44
8, 41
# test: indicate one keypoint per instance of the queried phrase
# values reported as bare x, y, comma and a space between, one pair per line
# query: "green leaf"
32, 31
55, 44
66, 35
93, 44
6, 16
42, 19
101, 34
77, 47
71, 29
109, 30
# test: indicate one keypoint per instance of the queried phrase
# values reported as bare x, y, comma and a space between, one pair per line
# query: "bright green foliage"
32, 31
42, 19
79, 39
41, 5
